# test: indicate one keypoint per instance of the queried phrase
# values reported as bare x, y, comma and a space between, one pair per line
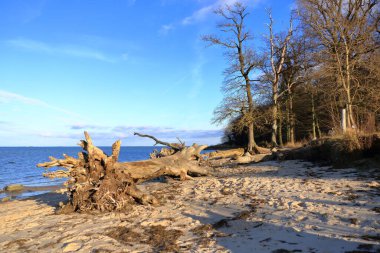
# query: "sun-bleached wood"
99, 182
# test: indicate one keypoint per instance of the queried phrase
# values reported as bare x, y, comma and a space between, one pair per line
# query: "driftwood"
175, 146
162, 153
236, 156
229, 153
248, 158
100, 182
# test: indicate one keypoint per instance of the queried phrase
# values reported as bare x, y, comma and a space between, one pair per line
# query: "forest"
318, 78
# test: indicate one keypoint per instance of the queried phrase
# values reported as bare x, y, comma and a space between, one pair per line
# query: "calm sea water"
18, 164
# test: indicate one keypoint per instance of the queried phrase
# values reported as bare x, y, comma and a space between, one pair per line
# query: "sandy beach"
288, 206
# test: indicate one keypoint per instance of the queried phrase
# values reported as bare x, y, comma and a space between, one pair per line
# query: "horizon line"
29, 146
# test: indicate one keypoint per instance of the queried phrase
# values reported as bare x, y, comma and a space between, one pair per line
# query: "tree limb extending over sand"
99, 182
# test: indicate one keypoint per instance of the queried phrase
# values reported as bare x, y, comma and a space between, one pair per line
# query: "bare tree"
238, 83
294, 66
278, 50
345, 30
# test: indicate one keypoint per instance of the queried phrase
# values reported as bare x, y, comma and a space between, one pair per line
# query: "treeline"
326, 62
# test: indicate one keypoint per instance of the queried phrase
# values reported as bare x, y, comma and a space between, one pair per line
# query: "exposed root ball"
100, 182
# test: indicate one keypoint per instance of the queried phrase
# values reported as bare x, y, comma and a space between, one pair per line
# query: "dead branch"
176, 146
100, 182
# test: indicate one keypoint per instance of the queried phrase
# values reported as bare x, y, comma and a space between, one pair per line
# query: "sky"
114, 67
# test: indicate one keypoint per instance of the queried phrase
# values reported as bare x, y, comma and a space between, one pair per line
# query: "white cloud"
68, 50
205, 11
170, 134
85, 53
165, 29
87, 127
199, 14
7, 97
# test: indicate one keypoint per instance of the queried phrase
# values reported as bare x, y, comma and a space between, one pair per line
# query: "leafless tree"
277, 53
297, 64
243, 60
345, 30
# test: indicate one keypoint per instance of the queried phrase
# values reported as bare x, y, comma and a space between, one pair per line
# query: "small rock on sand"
226, 191
72, 247
5, 199
13, 187
374, 184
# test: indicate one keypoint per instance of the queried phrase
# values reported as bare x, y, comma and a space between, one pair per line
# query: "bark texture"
99, 182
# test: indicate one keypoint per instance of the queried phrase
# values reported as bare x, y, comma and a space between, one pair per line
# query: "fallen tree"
173, 147
229, 153
99, 182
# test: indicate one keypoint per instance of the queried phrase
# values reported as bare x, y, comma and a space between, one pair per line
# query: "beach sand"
288, 206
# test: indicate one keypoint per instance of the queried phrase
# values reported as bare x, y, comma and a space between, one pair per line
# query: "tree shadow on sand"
50, 198
305, 170
240, 235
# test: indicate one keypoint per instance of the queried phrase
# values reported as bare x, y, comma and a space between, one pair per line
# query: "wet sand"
22, 191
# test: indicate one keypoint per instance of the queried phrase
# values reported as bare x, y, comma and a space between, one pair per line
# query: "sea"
18, 165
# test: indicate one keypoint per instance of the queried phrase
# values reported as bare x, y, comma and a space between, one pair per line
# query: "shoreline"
24, 191
263, 207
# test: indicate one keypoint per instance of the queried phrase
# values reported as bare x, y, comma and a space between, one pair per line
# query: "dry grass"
339, 150
297, 144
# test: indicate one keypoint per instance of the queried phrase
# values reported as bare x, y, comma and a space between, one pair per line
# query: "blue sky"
113, 67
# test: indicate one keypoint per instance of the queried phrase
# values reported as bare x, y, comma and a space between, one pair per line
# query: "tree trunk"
280, 126
100, 182
350, 114
318, 128
251, 135
292, 120
274, 113
251, 139
313, 117
287, 121
276, 71
274, 125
